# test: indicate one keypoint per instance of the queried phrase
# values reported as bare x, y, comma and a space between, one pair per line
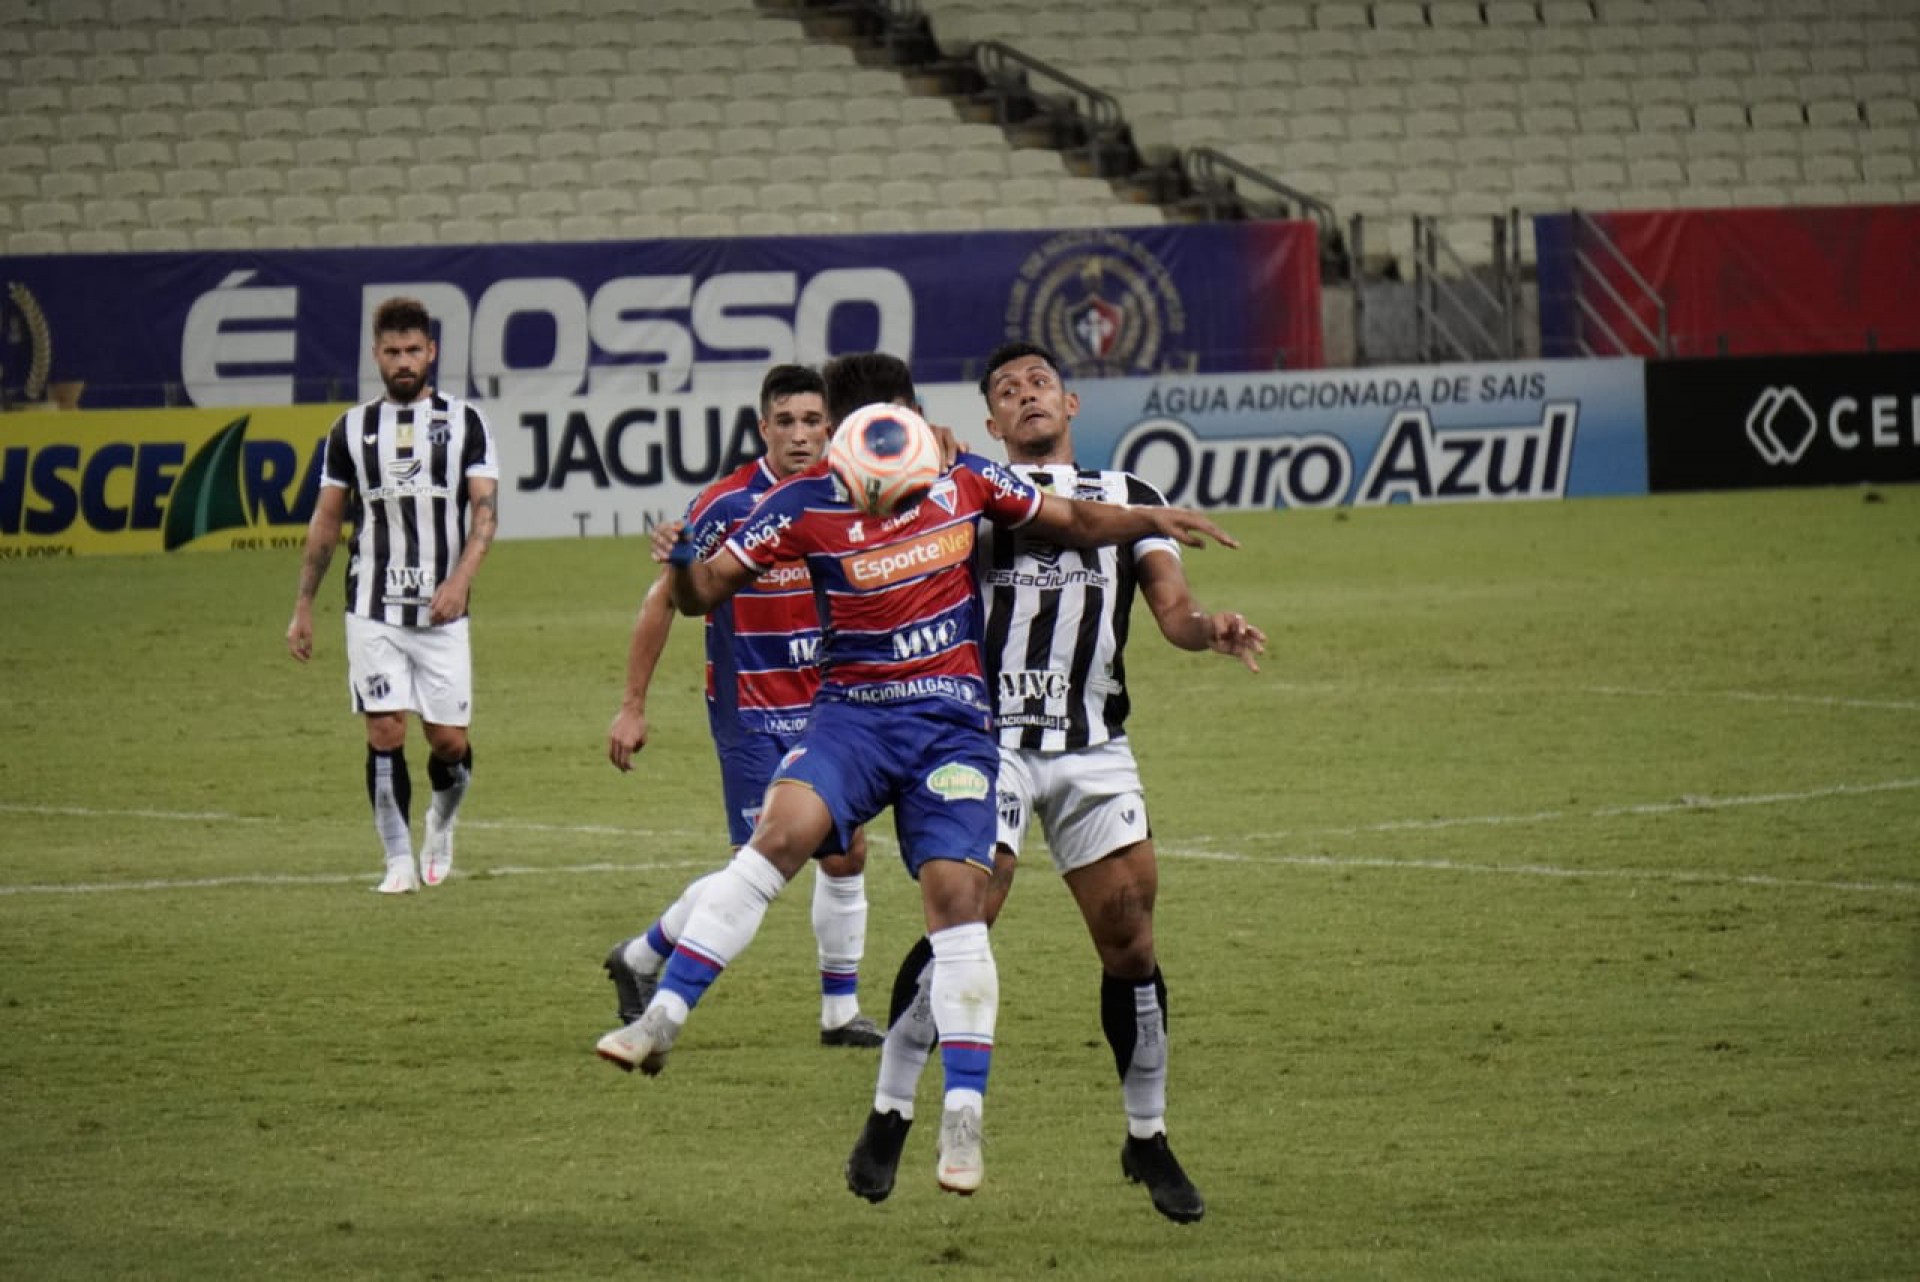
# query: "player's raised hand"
1190, 527
951, 446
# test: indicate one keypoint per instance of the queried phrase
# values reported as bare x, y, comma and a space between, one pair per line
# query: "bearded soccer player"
761, 675
416, 475
892, 725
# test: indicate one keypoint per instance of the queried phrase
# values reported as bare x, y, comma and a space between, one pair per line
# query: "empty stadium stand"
268, 123
164, 124
1464, 109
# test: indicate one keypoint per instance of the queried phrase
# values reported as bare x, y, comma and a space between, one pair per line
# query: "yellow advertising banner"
84, 482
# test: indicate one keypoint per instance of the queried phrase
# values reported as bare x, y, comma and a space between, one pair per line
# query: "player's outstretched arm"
628, 733
323, 535
1082, 524
1187, 624
697, 586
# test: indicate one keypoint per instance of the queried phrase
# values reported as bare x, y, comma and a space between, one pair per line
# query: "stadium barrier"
1729, 282
289, 326
1752, 422
612, 464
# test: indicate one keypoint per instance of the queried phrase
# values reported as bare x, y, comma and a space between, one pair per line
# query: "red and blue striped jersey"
763, 645
898, 596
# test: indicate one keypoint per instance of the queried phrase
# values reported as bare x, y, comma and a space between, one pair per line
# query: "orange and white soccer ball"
885, 455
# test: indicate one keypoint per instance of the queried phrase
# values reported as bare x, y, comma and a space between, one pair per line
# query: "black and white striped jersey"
405, 470
1057, 620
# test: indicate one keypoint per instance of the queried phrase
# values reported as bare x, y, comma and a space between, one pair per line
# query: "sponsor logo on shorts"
909, 558
793, 755
956, 782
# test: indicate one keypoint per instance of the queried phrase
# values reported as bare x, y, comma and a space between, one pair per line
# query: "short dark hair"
783, 381
398, 315
1013, 352
867, 378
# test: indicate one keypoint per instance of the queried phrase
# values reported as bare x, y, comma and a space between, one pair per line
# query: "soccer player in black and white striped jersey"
416, 474
1056, 635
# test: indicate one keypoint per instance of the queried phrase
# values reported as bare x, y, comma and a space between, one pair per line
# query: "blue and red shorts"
936, 772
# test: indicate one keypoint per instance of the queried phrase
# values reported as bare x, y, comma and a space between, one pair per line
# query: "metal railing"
1460, 312
1212, 171
1587, 272
1092, 126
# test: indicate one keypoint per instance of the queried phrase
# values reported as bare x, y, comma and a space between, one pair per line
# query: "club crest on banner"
1101, 302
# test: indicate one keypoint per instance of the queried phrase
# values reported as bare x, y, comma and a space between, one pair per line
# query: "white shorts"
428, 671
1089, 801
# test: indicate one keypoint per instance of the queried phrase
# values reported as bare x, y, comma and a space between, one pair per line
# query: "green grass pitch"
1547, 908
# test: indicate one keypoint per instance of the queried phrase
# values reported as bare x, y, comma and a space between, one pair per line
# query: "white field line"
1679, 875
1617, 692
1200, 852
1762, 696
1604, 812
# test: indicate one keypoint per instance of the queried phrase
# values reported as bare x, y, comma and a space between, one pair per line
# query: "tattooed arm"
483, 519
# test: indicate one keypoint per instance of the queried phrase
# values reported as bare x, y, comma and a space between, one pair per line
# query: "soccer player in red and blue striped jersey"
762, 669
902, 719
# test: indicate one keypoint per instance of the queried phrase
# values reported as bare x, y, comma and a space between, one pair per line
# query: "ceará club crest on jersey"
1102, 302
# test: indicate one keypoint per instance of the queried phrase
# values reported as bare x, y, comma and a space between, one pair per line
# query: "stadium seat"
301, 210
100, 97
648, 226
97, 240
158, 239
547, 205
255, 180
665, 200
388, 149
239, 211
36, 242
705, 224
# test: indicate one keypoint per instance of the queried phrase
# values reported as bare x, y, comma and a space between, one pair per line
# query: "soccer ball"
885, 455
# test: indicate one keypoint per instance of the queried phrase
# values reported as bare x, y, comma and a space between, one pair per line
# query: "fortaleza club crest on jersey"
955, 782
1102, 302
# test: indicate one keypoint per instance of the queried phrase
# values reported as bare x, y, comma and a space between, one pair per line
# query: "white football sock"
840, 930
1143, 1089
728, 912
904, 1055
639, 954
388, 818
966, 1004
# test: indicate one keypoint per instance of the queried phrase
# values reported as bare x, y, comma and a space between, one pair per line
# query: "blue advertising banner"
1414, 434
623, 319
